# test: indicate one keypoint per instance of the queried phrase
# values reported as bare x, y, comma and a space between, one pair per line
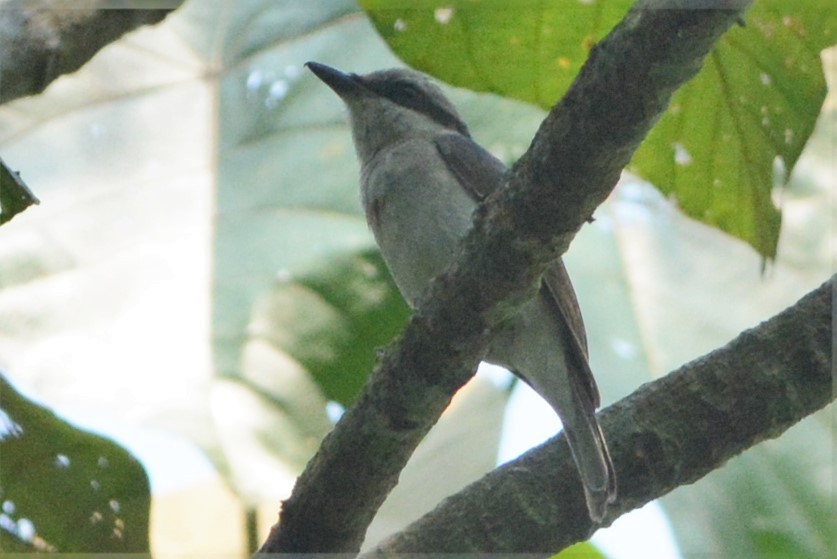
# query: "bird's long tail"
546, 347
590, 453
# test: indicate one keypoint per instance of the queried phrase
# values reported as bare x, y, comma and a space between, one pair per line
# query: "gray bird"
421, 178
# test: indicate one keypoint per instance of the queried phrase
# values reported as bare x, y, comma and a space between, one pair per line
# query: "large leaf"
730, 137
64, 489
727, 145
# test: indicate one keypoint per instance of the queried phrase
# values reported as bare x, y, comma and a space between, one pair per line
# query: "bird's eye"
412, 96
404, 90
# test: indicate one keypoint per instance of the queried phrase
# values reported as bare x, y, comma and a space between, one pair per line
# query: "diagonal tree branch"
670, 432
571, 167
40, 41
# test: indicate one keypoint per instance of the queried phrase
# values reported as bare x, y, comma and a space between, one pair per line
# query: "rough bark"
40, 41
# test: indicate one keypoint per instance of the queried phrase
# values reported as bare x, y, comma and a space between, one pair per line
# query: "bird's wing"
559, 291
473, 166
481, 174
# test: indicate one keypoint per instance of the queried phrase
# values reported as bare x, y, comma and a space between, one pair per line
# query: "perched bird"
421, 178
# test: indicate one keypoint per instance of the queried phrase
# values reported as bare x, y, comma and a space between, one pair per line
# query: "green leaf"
15, 196
332, 318
731, 136
528, 50
65, 489
581, 550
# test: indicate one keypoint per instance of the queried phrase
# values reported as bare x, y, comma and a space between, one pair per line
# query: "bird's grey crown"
415, 91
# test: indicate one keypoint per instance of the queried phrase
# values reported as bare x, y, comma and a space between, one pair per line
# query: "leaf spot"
623, 348
276, 93
681, 154
766, 29
588, 42
399, 25
254, 80
9, 428
334, 410
780, 171
62, 461
25, 529
443, 15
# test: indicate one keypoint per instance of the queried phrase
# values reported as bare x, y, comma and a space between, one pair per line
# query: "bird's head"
389, 106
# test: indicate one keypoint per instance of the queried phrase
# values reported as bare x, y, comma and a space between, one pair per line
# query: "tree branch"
573, 164
40, 41
670, 432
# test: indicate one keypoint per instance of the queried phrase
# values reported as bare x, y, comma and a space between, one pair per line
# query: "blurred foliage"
64, 489
332, 319
15, 196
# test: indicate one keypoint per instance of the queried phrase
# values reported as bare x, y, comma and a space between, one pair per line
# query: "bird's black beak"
343, 84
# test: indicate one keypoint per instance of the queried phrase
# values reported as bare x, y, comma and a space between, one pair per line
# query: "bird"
421, 178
